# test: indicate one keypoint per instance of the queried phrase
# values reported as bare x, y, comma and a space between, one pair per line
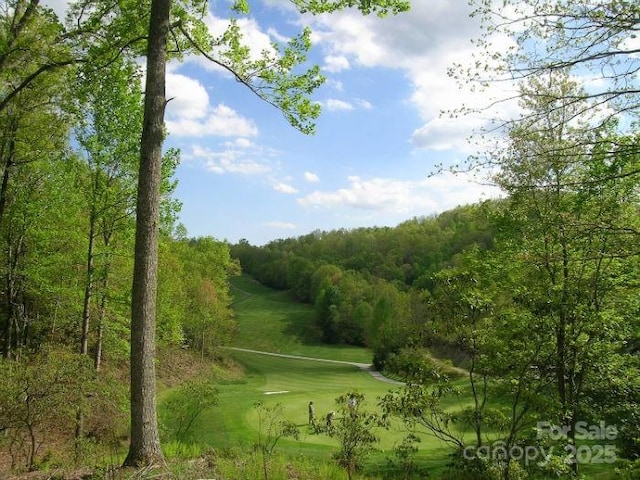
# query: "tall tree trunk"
13, 331
86, 308
9, 155
11, 149
88, 290
102, 309
144, 446
97, 361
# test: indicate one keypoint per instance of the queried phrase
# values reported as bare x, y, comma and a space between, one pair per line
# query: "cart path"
362, 366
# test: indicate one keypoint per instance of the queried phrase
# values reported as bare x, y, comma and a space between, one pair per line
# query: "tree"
590, 41
208, 319
35, 399
354, 428
34, 125
462, 303
33, 47
186, 404
567, 236
273, 80
111, 101
144, 447
570, 168
420, 402
272, 428
596, 38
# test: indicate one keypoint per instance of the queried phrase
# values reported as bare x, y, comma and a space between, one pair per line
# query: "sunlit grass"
270, 321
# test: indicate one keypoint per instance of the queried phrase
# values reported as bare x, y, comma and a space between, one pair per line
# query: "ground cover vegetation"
286, 386
522, 311
112, 184
541, 306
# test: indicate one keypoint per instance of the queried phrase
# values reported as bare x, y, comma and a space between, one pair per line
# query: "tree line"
71, 115
534, 292
533, 295
87, 217
542, 312
367, 281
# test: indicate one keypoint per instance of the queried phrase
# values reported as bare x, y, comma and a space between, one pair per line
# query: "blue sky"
246, 174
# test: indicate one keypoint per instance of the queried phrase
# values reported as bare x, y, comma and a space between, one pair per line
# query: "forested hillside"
369, 282
69, 157
534, 295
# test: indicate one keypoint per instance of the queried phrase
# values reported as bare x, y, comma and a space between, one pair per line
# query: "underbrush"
248, 464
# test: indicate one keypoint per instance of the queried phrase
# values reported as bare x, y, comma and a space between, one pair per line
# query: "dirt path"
362, 366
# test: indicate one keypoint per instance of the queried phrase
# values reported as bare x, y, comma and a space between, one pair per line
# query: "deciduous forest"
525, 306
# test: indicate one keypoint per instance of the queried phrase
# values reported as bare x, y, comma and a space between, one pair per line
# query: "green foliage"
553, 35
379, 7
39, 393
422, 402
271, 428
366, 284
178, 449
184, 406
355, 429
405, 460
195, 299
240, 463
630, 471
463, 468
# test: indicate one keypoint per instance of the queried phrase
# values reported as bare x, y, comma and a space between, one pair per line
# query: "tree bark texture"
144, 447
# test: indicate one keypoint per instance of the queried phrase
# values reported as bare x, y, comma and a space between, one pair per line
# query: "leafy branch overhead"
379, 7
277, 75
594, 40
271, 76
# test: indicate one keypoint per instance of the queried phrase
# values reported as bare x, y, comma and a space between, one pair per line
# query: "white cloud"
364, 104
632, 44
336, 63
253, 37
273, 33
333, 104
189, 98
311, 177
402, 197
445, 134
285, 188
220, 121
337, 85
282, 225
230, 160
423, 44
189, 113
240, 143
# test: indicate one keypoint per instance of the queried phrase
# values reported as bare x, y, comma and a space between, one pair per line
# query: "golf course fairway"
270, 322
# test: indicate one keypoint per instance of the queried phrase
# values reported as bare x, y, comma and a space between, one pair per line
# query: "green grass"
299, 381
270, 321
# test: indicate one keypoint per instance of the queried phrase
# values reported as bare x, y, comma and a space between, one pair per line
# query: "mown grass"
293, 383
270, 321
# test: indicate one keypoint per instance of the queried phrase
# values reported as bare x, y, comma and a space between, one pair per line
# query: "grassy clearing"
269, 321
296, 383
